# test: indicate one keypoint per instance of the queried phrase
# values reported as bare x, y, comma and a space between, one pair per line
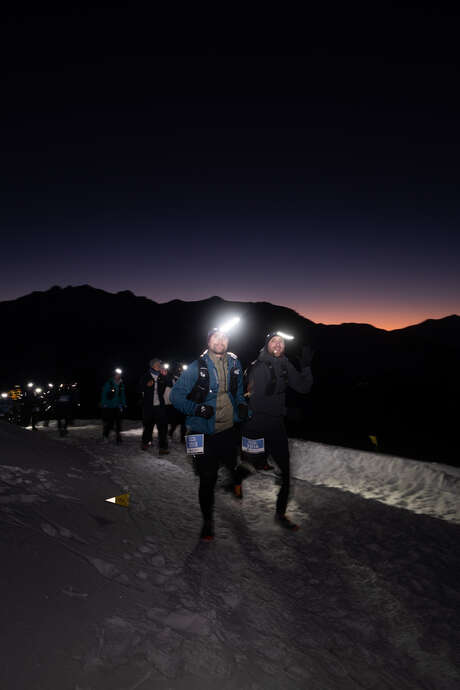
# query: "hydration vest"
200, 390
271, 385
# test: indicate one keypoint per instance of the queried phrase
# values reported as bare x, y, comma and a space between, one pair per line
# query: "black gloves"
243, 412
306, 356
205, 411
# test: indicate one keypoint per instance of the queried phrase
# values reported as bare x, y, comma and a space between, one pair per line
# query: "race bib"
194, 444
252, 445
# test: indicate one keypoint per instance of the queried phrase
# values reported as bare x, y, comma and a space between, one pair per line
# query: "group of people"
157, 410
222, 414
219, 412
35, 404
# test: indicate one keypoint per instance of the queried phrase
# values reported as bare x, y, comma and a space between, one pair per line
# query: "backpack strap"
200, 390
271, 385
234, 376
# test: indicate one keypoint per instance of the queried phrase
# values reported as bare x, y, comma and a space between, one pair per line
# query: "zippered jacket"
113, 394
186, 383
147, 392
268, 379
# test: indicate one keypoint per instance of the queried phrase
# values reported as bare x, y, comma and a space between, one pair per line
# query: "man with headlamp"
264, 433
210, 393
153, 387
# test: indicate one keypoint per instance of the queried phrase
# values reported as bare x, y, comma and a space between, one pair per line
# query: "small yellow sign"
374, 440
122, 500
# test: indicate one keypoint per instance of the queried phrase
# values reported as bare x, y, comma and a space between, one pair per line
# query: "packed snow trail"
365, 595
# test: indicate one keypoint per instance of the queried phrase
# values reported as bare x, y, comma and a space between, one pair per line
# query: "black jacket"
148, 391
268, 379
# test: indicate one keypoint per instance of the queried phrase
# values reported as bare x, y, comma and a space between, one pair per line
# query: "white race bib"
252, 445
194, 444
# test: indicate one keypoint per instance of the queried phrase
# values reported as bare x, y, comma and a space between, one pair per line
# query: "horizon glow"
328, 311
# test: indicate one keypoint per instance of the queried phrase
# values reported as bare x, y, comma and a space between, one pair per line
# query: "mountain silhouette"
400, 385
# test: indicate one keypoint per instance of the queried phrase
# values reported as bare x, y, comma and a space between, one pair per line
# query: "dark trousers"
219, 449
62, 416
175, 419
112, 418
278, 448
274, 433
156, 415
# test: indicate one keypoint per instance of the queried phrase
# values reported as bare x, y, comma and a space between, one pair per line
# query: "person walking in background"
153, 386
113, 403
29, 406
176, 418
210, 394
268, 378
64, 400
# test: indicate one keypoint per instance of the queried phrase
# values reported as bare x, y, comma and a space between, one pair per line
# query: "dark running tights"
220, 449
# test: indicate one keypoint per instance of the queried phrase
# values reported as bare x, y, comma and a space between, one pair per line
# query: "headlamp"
228, 325
285, 335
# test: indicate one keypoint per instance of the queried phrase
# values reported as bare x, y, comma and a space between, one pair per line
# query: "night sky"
312, 162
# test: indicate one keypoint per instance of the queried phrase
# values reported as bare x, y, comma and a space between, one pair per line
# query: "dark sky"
307, 161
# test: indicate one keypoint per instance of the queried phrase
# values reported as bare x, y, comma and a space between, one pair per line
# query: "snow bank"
428, 488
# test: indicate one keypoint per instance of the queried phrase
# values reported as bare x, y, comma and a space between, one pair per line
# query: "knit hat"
269, 336
215, 330
154, 361
278, 334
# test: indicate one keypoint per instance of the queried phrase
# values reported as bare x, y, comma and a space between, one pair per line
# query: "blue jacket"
186, 382
113, 394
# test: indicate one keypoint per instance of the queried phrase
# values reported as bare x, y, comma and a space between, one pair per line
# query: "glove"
306, 356
243, 412
205, 411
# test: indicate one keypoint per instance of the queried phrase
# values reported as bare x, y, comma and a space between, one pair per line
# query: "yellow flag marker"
122, 500
374, 440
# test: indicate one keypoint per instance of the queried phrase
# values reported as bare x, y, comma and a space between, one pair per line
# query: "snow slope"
429, 488
365, 595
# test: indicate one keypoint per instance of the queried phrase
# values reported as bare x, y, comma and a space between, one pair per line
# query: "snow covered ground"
97, 596
428, 488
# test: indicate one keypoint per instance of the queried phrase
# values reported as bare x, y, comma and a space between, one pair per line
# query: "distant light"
118, 371
165, 365
184, 367
38, 390
51, 385
228, 325
4, 395
30, 385
285, 335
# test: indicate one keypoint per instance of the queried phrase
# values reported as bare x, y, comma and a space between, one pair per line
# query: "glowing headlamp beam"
118, 371
228, 325
286, 336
